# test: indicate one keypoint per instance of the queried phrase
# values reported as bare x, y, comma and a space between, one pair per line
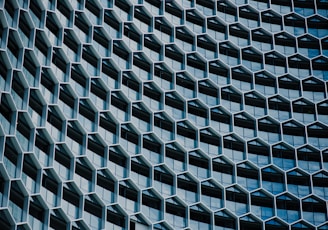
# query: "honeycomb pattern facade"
146, 114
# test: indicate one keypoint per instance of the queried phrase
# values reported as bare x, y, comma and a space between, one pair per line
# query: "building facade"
163, 114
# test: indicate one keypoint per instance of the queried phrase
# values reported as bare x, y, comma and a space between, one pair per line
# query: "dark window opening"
268, 126
128, 193
163, 177
220, 117
29, 168
236, 196
71, 197
129, 135
244, 122
198, 161
37, 211
224, 7
207, 89
151, 145
110, 20
62, 158
149, 91
288, 204
174, 154
66, 97
75, 134
230, 96
130, 82
272, 176
223, 167
209, 139
200, 216
139, 168
225, 222
84, 171
247, 172
150, 201
214, 24
105, 182
186, 132
22, 127
211, 191
117, 158
116, 218
81, 23
96, 147
49, 183
86, 111
57, 222
233, 144
294, 130
119, 103
175, 209
93, 208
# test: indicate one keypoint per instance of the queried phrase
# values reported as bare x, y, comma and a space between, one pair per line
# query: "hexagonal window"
244, 125
269, 130
208, 93
152, 205
258, 152
289, 87
262, 39
175, 213
279, 108
275, 63
115, 217
317, 135
265, 83
299, 66
319, 182
250, 222
223, 171
164, 180
314, 210
283, 156
224, 220
255, 104
105, 186
219, 72
293, 133
140, 172
294, 24
262, 204
128, 196
200, 218
198, 164
288, 208
198, 113
275, 224
231, 99
237, 200
152, 148
298, 183
187, 188
234, 148
285, 43
308, 46
242, 79
211, 195
221, 120
309, 159
247, 176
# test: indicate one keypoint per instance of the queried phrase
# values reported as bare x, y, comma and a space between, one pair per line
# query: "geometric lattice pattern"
148, 114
